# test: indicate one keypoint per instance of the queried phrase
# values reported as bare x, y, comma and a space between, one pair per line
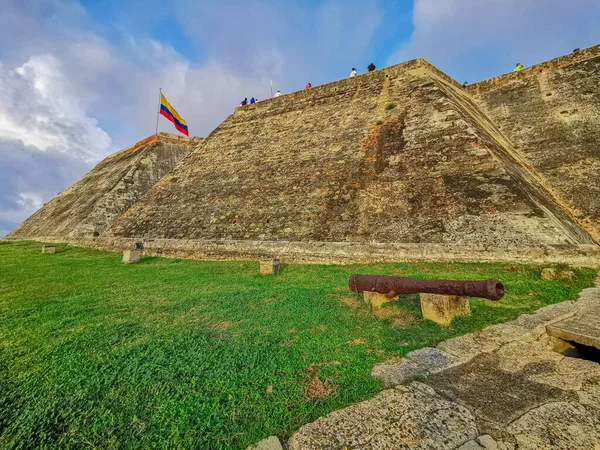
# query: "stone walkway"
509, 386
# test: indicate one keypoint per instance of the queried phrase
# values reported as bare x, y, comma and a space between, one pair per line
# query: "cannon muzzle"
491, 289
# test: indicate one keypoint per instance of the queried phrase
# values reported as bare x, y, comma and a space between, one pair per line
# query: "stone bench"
48, 249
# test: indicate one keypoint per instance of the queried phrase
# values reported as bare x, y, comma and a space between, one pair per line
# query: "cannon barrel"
491, 289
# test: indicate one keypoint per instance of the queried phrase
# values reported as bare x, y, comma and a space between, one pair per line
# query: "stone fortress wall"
551, 114
402, 157
93, 202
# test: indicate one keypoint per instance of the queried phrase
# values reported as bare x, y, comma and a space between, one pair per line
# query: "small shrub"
379, 122
390, 107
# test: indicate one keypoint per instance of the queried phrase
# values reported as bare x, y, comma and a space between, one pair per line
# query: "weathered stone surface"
48, 249
269, 266
529, 357
569, 374
547, 315
550, 115
432, 359
411, 417
470, 445
398, 373
270, 443
375, 299
503, 333
558, 425
465, 347
583, 328
488, 340
443, 309
494, 395
487, 442
131, 256
91, 204
338, 252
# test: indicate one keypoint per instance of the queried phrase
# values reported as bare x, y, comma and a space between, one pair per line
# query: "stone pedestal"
269, 266
131, 256
48, 249
443, 308
375, 299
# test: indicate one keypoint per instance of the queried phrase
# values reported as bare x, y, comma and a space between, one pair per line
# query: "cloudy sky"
79, 79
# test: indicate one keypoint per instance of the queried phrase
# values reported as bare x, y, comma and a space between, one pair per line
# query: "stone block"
433, 360
269, 266
398, 373
270, 443
375, 299
487, 442
470, 445
131, 256
443, 308
48, 249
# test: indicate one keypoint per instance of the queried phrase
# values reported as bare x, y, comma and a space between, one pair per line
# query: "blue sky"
79, 78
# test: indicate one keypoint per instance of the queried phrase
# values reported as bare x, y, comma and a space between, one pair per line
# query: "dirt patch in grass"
351, 302
221, 325
398, 317
356, 342
315, 388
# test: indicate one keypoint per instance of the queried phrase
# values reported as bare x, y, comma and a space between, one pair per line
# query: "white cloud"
38, 108
476, 39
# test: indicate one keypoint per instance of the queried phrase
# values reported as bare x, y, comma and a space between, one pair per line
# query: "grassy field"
193, 354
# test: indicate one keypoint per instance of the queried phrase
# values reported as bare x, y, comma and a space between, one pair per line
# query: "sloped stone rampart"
90, 205
551, 115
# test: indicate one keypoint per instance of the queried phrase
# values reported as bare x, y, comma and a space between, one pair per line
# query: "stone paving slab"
412, 416
492, 394
583, 328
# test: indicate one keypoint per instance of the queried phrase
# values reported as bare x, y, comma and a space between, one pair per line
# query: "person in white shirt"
353, 73
277, 94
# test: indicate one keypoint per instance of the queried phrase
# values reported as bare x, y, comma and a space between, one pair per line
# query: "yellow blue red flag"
170, 113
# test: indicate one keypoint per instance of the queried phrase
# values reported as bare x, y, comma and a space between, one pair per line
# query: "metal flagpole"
158, 110
271, 88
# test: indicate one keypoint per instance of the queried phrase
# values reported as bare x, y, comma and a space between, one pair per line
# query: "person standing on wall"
518, 67
371, 67
278, 93
353, 73
308, 86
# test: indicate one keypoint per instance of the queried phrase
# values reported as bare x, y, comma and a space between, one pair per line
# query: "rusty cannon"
389, 286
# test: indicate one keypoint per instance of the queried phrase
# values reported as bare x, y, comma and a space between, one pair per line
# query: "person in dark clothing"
244, 102
252, 101
371, 67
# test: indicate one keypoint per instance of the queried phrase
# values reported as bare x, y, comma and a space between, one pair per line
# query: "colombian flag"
169, 112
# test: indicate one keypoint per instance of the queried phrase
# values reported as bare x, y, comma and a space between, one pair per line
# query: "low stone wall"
339, 252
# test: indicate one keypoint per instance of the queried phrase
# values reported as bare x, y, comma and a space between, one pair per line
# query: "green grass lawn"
195, 354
